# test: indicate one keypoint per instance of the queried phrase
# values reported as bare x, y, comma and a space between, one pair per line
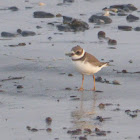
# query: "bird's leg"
81, 88
94, 83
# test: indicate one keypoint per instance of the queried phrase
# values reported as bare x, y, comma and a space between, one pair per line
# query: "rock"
28, 127
137, 29
75, 132
28, 33
100, 19
58, 15
125, 28
48, 120
124, 71
34, 130
68, 1
72, 25
132, 18
130, 61
99, 79
100, 118
112, 42
67, 20
41, 4
13, 8
68, 88
70, 74
78, 25
7, 34
19, 86
101, 133
125, 7
19, 31
49, 130
38, 27
64, 28
41, 14
22, 44
101, 106
115, 82
101, 35
82, 138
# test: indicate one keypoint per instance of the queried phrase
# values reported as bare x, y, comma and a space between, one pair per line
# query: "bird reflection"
82, 117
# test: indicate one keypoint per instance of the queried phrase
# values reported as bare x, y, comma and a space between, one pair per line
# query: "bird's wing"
93, 60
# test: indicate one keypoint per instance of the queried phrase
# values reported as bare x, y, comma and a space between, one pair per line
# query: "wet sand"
44, 68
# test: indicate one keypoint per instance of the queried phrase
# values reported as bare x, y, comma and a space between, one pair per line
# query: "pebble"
19, 86
115, 82
137, 29
124, 71
101, 34
82, 138
48, 120
27, 33
100, 19
58, 15
68, 88
87, 130
41, 4
7, 34
75, 132
41, 14
112, 42
131, 18
34, 130
70, 74
125, 28
101, 106
13, 8
49, 130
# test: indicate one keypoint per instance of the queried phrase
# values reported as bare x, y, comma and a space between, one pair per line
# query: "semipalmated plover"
85, 63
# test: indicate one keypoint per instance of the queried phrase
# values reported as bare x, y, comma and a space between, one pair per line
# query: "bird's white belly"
86, 68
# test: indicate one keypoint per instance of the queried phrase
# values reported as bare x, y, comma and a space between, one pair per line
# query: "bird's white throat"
75, 57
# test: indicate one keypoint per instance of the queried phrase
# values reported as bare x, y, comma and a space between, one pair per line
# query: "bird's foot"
81, 89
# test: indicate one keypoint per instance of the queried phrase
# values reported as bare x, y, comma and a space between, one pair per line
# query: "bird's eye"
77, 52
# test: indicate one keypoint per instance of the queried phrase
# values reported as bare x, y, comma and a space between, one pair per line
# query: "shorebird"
85, 63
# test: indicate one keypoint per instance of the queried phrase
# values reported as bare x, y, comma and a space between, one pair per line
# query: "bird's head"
76, 52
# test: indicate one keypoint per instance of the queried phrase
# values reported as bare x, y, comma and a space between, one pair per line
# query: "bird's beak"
69, 54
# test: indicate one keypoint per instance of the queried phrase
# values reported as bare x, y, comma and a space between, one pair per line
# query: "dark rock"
19, 86
68, 88
100, 118
132, 18
64, 28
7, 34
13, 8
78, 25
58, 15
125, 7
124, 71
67, 20
96, 19
75, 132
99, 79
121, 14
28, 127
48, 120
38, 27
101, 106
72, 25
49, 130
22, 44
68, 1
70, 74
41, 14
34, 130
125, 28
19, 31
112, 42
137, 29
101, 133
82, 138
101, 34
28, 33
